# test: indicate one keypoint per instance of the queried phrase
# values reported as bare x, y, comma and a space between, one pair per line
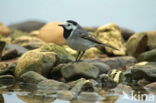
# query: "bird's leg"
78, 55
81, 54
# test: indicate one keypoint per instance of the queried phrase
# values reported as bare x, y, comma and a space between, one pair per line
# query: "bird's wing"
93, 39
90, 38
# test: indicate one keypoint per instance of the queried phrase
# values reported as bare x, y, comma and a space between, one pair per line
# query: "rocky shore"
35, 58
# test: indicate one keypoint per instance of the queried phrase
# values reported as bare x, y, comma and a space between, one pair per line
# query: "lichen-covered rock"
28, 42
52, 33
93, 53
76, 70
4, 30
62, 55
37, 61
148, 56
111, 35
137, 44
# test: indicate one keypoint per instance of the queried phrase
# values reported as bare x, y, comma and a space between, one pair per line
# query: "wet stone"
7, 80
146, 71
73, 71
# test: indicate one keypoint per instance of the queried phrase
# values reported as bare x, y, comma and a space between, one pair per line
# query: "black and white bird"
79, 39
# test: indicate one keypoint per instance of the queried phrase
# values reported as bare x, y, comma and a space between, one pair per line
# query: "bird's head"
68, 27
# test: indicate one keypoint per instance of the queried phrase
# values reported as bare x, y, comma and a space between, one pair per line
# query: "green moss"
61, 53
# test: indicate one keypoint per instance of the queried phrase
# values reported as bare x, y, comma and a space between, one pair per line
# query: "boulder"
116, 62
137, 44
145, 70
62, 55
111, 34
27, 26
148, 56
72, 71
4, 30
37, 61
103, 68
31, 77
52, 33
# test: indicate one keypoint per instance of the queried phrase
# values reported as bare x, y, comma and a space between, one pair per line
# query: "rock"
137, 44
7, 80
73, 71
111, 35
4, 30
2, 45
93, 53
116, 62
151, 39
37, 61
71, 51
106, 82
62, 55
146, 71
152, 86
91, 97
126, 33
7, 68
65, 95
27, 26
52, 33
82, 85
28, 42
51, 86
31, 77
148, 56
103, 68
17, 33
34, 98
12, 51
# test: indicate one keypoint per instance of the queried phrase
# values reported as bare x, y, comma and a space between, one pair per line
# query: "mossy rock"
40, 62
148, 56
62, 55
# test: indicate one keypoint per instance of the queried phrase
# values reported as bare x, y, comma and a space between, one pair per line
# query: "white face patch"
70, 26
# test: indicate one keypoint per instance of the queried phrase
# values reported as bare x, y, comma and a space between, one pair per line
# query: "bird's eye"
68, 24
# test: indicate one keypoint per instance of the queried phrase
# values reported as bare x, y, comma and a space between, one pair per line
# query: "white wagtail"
79, 39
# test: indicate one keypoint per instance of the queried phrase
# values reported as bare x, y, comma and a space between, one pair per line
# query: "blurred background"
137, 15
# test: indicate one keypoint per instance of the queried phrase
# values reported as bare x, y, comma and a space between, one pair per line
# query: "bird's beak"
61, 25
